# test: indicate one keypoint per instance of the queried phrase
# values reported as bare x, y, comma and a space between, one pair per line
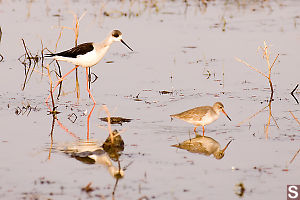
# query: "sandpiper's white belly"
206, 119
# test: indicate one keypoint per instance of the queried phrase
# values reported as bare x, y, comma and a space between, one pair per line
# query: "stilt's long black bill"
126, 45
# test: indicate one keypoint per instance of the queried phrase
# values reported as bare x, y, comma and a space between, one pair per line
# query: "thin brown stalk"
268, 122
294, 156
51, 136
239, 60
53, 114
28, 56
76, 32
242, 122
42, 53
295, 117
274, 61
274, 121
51, 93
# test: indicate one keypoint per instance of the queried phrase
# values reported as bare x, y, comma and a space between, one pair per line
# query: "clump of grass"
270, 65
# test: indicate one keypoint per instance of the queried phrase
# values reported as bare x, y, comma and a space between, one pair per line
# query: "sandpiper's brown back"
195, 113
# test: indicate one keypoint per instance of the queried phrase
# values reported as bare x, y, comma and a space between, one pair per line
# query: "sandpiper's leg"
203, 130
59, 81
87, 85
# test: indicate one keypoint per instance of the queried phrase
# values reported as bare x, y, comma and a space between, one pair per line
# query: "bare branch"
239, 60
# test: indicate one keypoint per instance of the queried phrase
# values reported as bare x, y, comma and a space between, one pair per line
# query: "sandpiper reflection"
91, 152
203, 145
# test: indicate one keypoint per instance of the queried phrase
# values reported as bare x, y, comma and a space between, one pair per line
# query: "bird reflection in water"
91, 152
203, 145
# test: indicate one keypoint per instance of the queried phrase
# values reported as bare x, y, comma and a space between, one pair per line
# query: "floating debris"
72, 117
25, 109
165, 92
240, 189
116, 120
88, 188
190, 47
114, 149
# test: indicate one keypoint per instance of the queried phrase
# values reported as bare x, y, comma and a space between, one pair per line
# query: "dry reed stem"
294, 156
53, 115
274, 121
242, 122
268, 123
295, 117
76, 32
244, 62
51, 94
51, 145
274, 61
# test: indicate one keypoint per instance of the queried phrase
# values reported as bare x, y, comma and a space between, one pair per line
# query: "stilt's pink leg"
89, 116
59, 81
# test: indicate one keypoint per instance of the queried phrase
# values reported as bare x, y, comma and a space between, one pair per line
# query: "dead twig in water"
53, 114
242, 122
294, 156
266, 56
295, 117
27, 66
88, 188
292, 93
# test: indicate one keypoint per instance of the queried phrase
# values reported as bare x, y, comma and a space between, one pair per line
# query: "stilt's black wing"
75, 51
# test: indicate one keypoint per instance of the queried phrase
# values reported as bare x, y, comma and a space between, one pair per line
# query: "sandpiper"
87, 55
201, 116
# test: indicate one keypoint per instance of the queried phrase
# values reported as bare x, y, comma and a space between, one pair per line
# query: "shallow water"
170, 41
